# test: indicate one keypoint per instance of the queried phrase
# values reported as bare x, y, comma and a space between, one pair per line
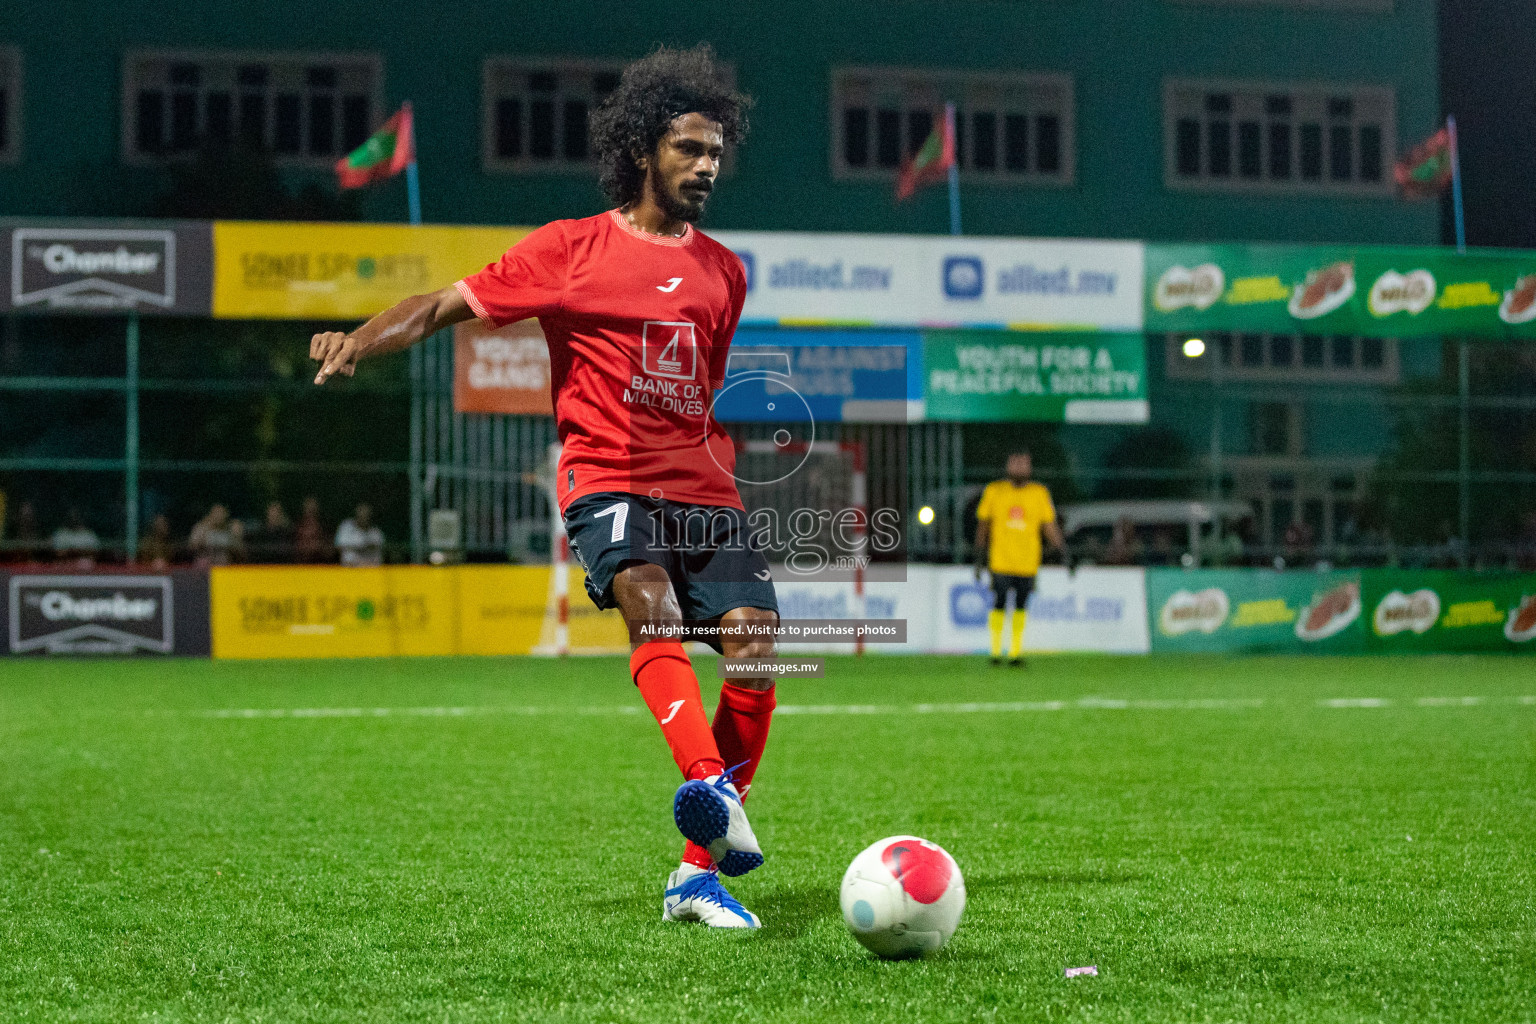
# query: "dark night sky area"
1488, 81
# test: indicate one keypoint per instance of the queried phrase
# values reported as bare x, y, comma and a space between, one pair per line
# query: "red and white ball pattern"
903, 897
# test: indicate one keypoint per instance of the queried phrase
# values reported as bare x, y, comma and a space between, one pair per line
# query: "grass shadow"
788, 912
1037, 879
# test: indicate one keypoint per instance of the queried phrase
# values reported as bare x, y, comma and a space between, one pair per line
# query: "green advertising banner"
1374, 291
1231, 610
992, 376
1450, 611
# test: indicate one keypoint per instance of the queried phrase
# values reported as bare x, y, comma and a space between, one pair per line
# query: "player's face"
1020, 467
687, 161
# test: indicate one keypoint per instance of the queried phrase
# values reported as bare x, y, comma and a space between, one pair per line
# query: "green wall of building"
1117, 54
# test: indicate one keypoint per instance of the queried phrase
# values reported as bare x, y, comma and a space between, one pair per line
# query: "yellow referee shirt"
1016, 515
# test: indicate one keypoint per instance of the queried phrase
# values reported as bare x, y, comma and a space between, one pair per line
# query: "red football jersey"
639, 326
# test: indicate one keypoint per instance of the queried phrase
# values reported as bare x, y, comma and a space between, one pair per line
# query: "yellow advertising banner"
404, 610
298, 271
503, 607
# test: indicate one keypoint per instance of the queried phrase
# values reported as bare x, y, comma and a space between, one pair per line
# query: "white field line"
982, 707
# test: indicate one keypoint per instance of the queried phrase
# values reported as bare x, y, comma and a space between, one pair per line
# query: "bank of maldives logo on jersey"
668, 349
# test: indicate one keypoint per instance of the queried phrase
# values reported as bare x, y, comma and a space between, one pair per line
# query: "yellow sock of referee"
995, 627
1016, 641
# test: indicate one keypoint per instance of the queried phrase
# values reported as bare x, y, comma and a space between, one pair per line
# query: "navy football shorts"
705, 549
1019, 586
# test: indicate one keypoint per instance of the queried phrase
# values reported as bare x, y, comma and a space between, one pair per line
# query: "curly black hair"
653, 91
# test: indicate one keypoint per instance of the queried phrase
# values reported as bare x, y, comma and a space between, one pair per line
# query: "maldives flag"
384, 155
930, 164
1426, 170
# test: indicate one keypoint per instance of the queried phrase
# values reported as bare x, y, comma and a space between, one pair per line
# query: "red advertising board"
504, 371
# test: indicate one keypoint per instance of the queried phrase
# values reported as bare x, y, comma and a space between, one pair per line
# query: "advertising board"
105, 613
1232, 610
799, 278
1379, 292
298, 271
161, 267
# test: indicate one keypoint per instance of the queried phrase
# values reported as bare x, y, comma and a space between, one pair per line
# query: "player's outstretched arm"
398, 327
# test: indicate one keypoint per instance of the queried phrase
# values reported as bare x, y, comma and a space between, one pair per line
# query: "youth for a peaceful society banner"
1004, 375
1395, 292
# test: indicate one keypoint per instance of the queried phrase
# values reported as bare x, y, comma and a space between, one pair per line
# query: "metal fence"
1414, 452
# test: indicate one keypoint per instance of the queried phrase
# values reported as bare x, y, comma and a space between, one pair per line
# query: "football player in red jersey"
639, 308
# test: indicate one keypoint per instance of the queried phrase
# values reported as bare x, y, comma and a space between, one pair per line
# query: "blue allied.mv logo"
750, 263
969, 604
963, 277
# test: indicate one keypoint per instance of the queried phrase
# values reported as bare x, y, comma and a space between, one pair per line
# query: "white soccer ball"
903, 897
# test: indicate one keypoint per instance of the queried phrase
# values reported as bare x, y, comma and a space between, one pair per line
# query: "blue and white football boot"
694, 894
708, 812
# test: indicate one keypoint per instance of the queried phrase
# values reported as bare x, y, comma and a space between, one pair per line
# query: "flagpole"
1461, 224
954, 174
1464, 368
413, 193
418, 390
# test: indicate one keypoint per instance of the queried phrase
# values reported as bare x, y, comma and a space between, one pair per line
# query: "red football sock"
741, 731
696, 855
668, 686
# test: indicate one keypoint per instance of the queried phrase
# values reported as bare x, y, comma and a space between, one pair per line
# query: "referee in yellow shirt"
1012, 515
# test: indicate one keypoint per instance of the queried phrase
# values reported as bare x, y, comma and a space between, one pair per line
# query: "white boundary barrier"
946, 610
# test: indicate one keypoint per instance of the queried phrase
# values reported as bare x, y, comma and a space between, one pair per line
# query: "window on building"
1280, 357
1009, 128
1272, 424
300, 108
10, 105
1279, 137
536, 112
1374, 6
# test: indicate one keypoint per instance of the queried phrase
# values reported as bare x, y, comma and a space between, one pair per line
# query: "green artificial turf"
483, 840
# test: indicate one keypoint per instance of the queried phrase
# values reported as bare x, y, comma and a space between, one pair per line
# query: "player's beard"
676, 206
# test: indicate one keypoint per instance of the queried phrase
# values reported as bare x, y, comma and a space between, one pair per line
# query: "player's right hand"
335, 352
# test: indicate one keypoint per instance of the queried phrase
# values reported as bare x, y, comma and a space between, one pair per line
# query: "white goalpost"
555, 634
827, 476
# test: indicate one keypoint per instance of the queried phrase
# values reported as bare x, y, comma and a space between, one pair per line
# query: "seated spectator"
217, 539
1163, 552
156, 549
309, 544
1298, 544
26, 537
1525, 545
1124, 547
76, 542
1227, 550
359, 541
273, 540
